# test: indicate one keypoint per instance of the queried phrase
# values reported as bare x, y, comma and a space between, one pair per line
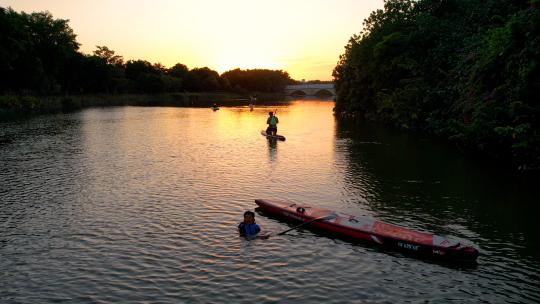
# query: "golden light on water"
303, 37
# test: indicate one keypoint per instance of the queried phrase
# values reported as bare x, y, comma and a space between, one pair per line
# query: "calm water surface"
135, 204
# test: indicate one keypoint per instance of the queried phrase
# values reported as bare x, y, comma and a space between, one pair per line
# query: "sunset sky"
302, 37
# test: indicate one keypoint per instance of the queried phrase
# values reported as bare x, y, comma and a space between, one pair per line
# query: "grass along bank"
19, 105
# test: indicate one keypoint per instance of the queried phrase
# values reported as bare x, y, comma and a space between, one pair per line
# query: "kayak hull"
277, 136
369, 230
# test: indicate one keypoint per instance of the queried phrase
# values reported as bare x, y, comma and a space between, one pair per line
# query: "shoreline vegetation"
42, 70
466, 71
15, 106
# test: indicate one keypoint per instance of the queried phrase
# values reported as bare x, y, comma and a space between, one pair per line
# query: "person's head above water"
248, 227
249, 217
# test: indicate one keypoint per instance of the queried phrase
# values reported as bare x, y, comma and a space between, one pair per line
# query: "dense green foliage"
258, 80
465, 69
39, 55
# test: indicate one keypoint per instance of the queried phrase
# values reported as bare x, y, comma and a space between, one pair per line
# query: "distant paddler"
252, 100
215, 107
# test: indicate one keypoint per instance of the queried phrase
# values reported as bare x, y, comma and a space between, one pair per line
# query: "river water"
133, 204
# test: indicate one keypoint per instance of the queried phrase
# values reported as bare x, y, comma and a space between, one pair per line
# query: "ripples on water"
141, 205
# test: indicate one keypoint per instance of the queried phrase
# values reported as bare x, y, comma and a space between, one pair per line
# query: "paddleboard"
277, 136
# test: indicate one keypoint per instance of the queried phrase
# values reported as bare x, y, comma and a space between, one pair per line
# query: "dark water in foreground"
141, 205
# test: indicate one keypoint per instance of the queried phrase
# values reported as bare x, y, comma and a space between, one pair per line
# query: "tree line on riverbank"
39, 55
468, 70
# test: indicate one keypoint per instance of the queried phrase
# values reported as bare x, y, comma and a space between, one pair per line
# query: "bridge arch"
324, 93
298, 93
311, 89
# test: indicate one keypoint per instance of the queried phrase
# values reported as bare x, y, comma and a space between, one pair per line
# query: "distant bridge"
311, 89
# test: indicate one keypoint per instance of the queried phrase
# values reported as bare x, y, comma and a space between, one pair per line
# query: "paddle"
326, 217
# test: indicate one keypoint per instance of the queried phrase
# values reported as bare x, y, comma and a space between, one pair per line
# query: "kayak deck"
277, 136
368, 229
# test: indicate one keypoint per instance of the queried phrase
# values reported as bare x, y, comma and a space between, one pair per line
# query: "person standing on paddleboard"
248, 227
272, 122
252, 100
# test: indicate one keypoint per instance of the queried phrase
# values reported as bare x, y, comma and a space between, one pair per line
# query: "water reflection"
272, 149
435, 184
145, 201
412, 180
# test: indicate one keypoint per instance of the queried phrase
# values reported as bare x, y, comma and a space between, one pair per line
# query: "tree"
134, 68
466, 70
35, 49
202, 79
178, 70
261, 80
108, 55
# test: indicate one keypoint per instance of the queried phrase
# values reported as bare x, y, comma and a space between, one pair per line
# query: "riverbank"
510, 163
16, 105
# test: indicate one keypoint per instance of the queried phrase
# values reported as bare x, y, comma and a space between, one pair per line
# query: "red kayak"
368, 229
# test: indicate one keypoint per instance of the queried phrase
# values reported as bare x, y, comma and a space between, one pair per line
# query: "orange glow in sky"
302, 37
